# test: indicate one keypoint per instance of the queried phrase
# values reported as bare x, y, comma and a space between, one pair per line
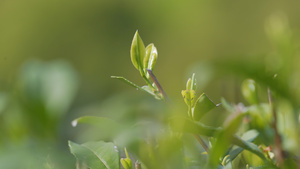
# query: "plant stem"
278, 151
200, 140
161, 90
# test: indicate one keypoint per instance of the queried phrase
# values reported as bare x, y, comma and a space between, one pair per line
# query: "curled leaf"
150, 58
191, 83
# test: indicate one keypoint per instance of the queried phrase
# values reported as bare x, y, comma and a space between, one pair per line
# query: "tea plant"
249, 137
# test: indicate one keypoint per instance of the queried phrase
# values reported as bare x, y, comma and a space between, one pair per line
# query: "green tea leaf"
137, 52
150, 58
96, 155
189, 97
202, 106
193, 82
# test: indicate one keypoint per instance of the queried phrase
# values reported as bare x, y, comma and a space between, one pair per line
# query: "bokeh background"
56, 59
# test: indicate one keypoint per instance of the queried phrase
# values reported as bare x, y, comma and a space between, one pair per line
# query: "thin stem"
200, 140
279, 154
161, 90
146, 79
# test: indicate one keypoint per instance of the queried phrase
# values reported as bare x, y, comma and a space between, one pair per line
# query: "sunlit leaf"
137, 51
189, 97
191, 83
150, 58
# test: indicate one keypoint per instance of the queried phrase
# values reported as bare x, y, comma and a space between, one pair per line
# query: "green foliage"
144, 60
249, 136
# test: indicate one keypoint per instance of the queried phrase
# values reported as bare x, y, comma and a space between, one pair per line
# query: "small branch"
161, 90
279, 154
200, 140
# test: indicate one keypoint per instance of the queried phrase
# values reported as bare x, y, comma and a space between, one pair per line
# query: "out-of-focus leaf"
126, 162
95, 121
248, 146
226, 105
96, 155
183, 124
107, 127
249, 136
266, 166
52, 84
249, 69
224, 139
202, 106
249, 91
137, 52
288, 126
261, 116
4, 98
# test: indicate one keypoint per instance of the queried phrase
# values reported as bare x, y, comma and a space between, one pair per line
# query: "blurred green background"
56, 59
